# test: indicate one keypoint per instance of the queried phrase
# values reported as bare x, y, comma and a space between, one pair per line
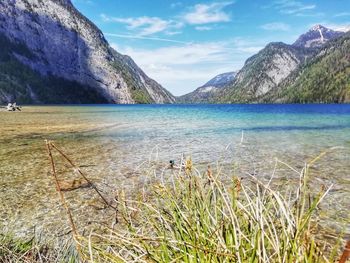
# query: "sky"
182, 44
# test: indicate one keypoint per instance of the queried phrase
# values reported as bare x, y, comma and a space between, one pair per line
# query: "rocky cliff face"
264, 72
61, 45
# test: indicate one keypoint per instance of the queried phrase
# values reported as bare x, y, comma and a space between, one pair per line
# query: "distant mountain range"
208, 91
316, 68
51, 53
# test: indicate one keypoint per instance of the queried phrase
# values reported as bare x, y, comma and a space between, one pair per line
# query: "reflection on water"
115, 145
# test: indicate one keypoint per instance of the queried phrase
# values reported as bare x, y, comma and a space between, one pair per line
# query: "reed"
199, 218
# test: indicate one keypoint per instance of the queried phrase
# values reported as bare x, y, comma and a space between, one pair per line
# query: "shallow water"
114, 145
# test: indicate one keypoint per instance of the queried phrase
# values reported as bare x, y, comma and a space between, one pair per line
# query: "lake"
123, 146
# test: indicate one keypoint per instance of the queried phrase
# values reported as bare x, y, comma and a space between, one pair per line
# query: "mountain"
208, 91
265, 73
317, 36
51, 53
323, 79
221, 80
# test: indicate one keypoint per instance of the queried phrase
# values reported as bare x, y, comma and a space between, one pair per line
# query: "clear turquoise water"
116, 144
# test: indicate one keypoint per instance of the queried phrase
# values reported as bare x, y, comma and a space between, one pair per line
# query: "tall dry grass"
198, 218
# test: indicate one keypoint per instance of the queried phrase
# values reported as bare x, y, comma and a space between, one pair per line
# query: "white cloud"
338, 27
199, 14
318, 14
298, 10
182, 68
145, 38
203, 28
173, 33
293, 7
277, 26
342, 14
145, 25
180, 55
207, 13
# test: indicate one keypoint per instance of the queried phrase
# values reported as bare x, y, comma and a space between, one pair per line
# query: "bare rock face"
263, 72
66, 45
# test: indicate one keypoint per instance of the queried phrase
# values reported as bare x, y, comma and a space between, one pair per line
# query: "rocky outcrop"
60, 45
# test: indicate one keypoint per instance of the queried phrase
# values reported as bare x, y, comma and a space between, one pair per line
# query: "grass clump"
30, 250
12, 249
198, 218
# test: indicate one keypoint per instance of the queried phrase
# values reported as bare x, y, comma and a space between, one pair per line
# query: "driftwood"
63, 199
64, 186
77, 170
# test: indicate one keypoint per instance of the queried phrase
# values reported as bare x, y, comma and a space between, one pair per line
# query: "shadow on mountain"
37, 83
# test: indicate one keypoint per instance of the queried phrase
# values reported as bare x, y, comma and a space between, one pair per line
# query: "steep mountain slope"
264, 73
324, 79
54, 54
208, 91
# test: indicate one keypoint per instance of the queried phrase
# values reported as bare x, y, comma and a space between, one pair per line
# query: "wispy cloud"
144, 25
188, 54
173, 33
292, 7
276, 26
146, 38
203, 28
342, 14
310, 14
176, 4
198, 16
207, 13
343, 27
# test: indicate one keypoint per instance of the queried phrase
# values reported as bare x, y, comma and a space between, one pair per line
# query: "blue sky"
182, 44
